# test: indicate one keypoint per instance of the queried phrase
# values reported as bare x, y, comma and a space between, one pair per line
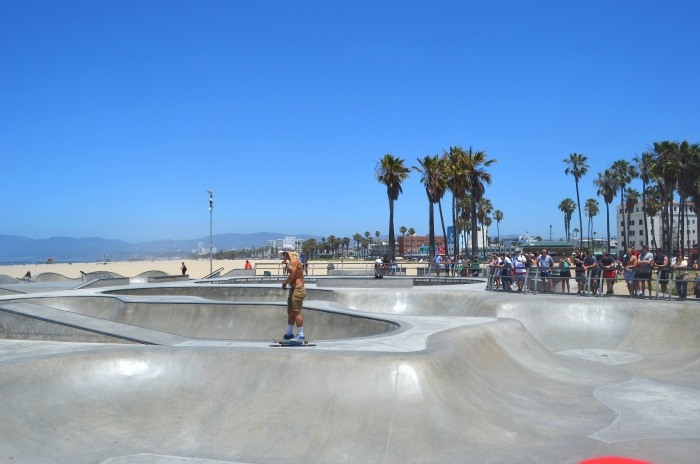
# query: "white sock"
301, 332
289, 329
663, 295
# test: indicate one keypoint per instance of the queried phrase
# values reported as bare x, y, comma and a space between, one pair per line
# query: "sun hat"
288, 248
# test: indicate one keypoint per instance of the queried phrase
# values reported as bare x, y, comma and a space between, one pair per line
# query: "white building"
636, 227
276, 245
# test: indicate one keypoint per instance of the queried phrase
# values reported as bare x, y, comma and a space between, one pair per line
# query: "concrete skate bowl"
54, 277
143, 277
7, 280
218, 320
485, 393
225, 293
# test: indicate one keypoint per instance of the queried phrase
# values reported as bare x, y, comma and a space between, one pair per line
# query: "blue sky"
117, 117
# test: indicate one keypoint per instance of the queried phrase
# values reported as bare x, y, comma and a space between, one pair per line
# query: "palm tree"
484, 208
653, 207
667, 170
630, 202
411, 233
357, 238
403, 230
607, 189
695, 190
623, 173
567, 206
576, 231
592, 210
498, 216
391, 171
577, 167
687, 183
433, 179
476, 176
643, 164
457, 183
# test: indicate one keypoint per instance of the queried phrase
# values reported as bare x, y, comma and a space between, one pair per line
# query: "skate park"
184, 372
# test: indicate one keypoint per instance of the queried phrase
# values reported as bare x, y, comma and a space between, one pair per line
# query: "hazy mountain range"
14, 247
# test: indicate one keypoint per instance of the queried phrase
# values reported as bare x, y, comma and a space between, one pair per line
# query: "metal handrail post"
588, 282
658, 282
537, 274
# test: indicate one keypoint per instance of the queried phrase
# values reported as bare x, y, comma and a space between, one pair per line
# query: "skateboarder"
297, 293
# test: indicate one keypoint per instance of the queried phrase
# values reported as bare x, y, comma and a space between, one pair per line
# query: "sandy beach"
196, 269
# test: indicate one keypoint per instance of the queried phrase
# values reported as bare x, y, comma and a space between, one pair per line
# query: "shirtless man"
297, 293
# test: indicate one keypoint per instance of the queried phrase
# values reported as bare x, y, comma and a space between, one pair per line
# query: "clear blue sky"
117, 117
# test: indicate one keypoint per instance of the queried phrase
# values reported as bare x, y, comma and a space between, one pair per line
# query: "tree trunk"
391, 229
442, 221
475, 237
644, 211
454, 227
653, 235
580, 218
625, 238
607, 214
431, 231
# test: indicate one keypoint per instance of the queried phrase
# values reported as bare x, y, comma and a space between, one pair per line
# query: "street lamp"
211, 241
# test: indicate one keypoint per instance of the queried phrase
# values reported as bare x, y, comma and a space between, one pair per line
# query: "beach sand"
195, 269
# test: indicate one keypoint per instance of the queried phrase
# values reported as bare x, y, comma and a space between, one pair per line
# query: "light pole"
211, 241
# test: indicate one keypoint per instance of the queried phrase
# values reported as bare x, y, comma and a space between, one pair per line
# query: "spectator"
607, 263
629, 263
661, 265
545, 263
520, 263
696, 285
590, 265
565, 274
644, 263
506, 266
577, 258
438, 265
27, 277
183, 268
247, 265
681, 272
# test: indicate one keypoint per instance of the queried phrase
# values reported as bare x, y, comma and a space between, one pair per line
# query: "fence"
594, 281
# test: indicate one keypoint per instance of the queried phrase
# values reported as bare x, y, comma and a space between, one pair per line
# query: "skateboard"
282, 343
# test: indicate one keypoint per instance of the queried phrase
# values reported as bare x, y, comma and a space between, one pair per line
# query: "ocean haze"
17, 248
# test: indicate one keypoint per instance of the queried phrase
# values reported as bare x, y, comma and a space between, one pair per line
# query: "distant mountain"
14, 247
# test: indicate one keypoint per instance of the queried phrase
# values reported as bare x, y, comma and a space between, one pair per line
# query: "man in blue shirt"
590, 265
545, 263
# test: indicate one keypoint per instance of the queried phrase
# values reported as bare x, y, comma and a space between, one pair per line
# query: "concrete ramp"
438, 405
7, 280
54, 277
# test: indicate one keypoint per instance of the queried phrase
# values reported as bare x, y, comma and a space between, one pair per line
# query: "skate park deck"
423, 374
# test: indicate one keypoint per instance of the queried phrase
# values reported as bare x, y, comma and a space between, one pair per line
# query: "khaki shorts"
296, 298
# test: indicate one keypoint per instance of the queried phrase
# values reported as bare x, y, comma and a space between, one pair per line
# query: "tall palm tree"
487, 223
607, 189
457, 183
498, 217
643, 164
433, 179
577, 166
411, 233
630, 202
403, 230
687, 183
592, 210
391, 172
695, 190
653, 206
483, 210
623, 173
476, 176
567, 206
358, 239
667, 169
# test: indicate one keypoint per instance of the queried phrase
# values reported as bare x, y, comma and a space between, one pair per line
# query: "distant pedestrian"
661, 265
545, 263
590, 265
607, 264
247, 265
577, 258
681, 273
438, 265
183, 268
27, 277
565, 274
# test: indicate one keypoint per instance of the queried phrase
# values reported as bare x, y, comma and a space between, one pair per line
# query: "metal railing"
594, 280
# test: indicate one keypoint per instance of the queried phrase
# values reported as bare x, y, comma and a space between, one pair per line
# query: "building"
276, 245
419, 245
410, 245
635, 225
382, 248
